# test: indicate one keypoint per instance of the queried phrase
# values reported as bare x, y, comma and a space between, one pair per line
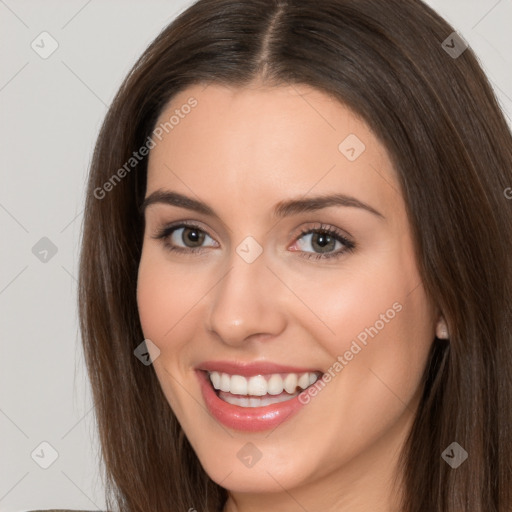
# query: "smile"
260, 390
253, 397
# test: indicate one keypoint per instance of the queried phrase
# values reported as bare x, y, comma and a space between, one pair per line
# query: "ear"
442, 329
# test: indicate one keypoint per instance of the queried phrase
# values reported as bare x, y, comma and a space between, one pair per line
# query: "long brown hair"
437, 115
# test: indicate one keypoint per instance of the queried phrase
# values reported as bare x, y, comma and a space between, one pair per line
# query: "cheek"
377, 332
375, 323
166, 295
355, 301
154, 298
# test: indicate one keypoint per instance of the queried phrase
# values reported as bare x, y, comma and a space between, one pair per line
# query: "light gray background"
51, 111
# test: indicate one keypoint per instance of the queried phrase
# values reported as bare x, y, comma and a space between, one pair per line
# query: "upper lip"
250, 369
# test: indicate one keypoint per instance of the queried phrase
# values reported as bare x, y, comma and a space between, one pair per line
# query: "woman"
295, 278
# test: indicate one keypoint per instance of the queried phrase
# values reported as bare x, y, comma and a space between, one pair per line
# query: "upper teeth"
260, 385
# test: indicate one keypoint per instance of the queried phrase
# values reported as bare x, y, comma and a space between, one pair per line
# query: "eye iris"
193, 235
324, 240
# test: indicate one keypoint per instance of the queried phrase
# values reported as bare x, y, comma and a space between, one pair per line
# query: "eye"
324, 240
190, 235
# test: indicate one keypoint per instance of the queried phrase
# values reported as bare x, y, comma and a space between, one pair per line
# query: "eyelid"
167, 230
320, 226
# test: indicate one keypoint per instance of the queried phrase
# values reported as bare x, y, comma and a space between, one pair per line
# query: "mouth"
251, 402
260, 390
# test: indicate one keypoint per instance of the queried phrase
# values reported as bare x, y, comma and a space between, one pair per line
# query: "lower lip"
252, 419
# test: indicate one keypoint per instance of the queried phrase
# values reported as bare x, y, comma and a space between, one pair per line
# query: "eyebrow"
281, 209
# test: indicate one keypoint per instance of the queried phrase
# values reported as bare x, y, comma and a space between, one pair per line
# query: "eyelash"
166, 232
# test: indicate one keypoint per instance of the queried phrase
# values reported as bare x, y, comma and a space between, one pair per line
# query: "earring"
442, 331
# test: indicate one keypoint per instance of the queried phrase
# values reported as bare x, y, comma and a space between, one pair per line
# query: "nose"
248, 302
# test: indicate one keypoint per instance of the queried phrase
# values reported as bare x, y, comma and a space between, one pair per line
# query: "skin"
243, 150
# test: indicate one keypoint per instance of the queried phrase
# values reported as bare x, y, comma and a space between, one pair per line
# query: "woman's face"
258, 280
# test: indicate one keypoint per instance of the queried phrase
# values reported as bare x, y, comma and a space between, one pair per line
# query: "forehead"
258, 144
